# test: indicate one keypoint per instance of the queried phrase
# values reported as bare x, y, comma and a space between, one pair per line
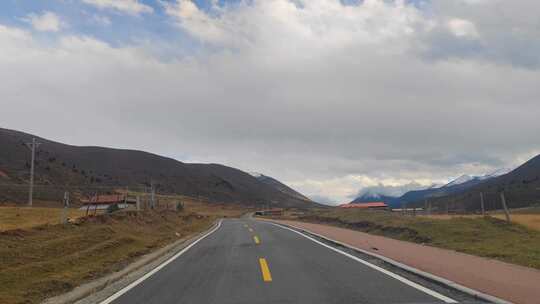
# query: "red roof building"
104, 199
271, 212
370, 205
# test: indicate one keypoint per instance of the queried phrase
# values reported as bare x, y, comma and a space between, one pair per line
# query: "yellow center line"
256, 239
267, 277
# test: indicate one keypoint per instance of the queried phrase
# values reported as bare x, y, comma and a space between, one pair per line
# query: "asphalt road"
247, 261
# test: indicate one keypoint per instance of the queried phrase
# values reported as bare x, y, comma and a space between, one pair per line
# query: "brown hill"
60, 165
279, 186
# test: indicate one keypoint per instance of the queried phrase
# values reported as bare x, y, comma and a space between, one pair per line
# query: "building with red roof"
104, 202
370, 205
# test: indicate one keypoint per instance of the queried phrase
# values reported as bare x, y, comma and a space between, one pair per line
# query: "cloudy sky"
328, 96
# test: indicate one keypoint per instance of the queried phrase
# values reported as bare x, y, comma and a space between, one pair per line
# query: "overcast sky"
328, 96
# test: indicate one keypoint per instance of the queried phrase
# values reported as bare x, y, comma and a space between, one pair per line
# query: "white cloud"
462, 28
132, 7
46, 22
328, 97
101, 20
475, 2
394, 190
269, 24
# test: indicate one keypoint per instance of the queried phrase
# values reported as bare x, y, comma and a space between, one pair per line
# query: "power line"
81, 187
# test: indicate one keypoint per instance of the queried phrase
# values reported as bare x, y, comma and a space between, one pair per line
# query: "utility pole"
152, 195
505, 207
482, 203
126, 196
32, 146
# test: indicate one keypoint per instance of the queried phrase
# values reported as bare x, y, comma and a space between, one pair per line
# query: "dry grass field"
202, 207
28, 217
528, 218
40, 258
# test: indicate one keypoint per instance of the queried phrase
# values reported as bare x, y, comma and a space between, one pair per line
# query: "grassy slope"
488, 237
24, 217
50, 259
531, 221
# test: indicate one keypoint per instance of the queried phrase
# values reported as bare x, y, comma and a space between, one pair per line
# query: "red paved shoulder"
513, 283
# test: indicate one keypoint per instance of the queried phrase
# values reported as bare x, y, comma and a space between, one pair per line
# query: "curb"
85, 290
418, 272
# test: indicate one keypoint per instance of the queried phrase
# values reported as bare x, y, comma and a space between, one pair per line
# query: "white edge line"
451, 284
158, 268
391, 274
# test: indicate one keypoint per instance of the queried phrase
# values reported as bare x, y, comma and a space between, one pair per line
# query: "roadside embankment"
48, 260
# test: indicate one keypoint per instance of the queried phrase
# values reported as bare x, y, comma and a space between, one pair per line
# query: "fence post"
153, 198
66, 206
482, 203
138, 203
505, 207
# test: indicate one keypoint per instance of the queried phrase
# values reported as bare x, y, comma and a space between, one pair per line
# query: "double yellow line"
265, 270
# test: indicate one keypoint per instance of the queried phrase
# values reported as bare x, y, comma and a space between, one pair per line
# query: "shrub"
112, 208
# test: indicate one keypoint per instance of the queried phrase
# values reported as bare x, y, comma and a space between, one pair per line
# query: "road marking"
256, 239
158, 268
245, 225
391, 274
250, 230
267, 277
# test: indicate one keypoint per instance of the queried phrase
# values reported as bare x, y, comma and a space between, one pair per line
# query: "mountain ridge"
279, 185
521, 187
418, 197
59, 164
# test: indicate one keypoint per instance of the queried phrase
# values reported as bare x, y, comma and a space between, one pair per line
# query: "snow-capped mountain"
381, 190
387, 194
460, 180
498, 172
396, 195
255, 174
467, 178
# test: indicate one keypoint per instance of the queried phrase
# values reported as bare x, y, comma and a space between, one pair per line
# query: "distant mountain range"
369, 197
388, 194
520, 186
59, 165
